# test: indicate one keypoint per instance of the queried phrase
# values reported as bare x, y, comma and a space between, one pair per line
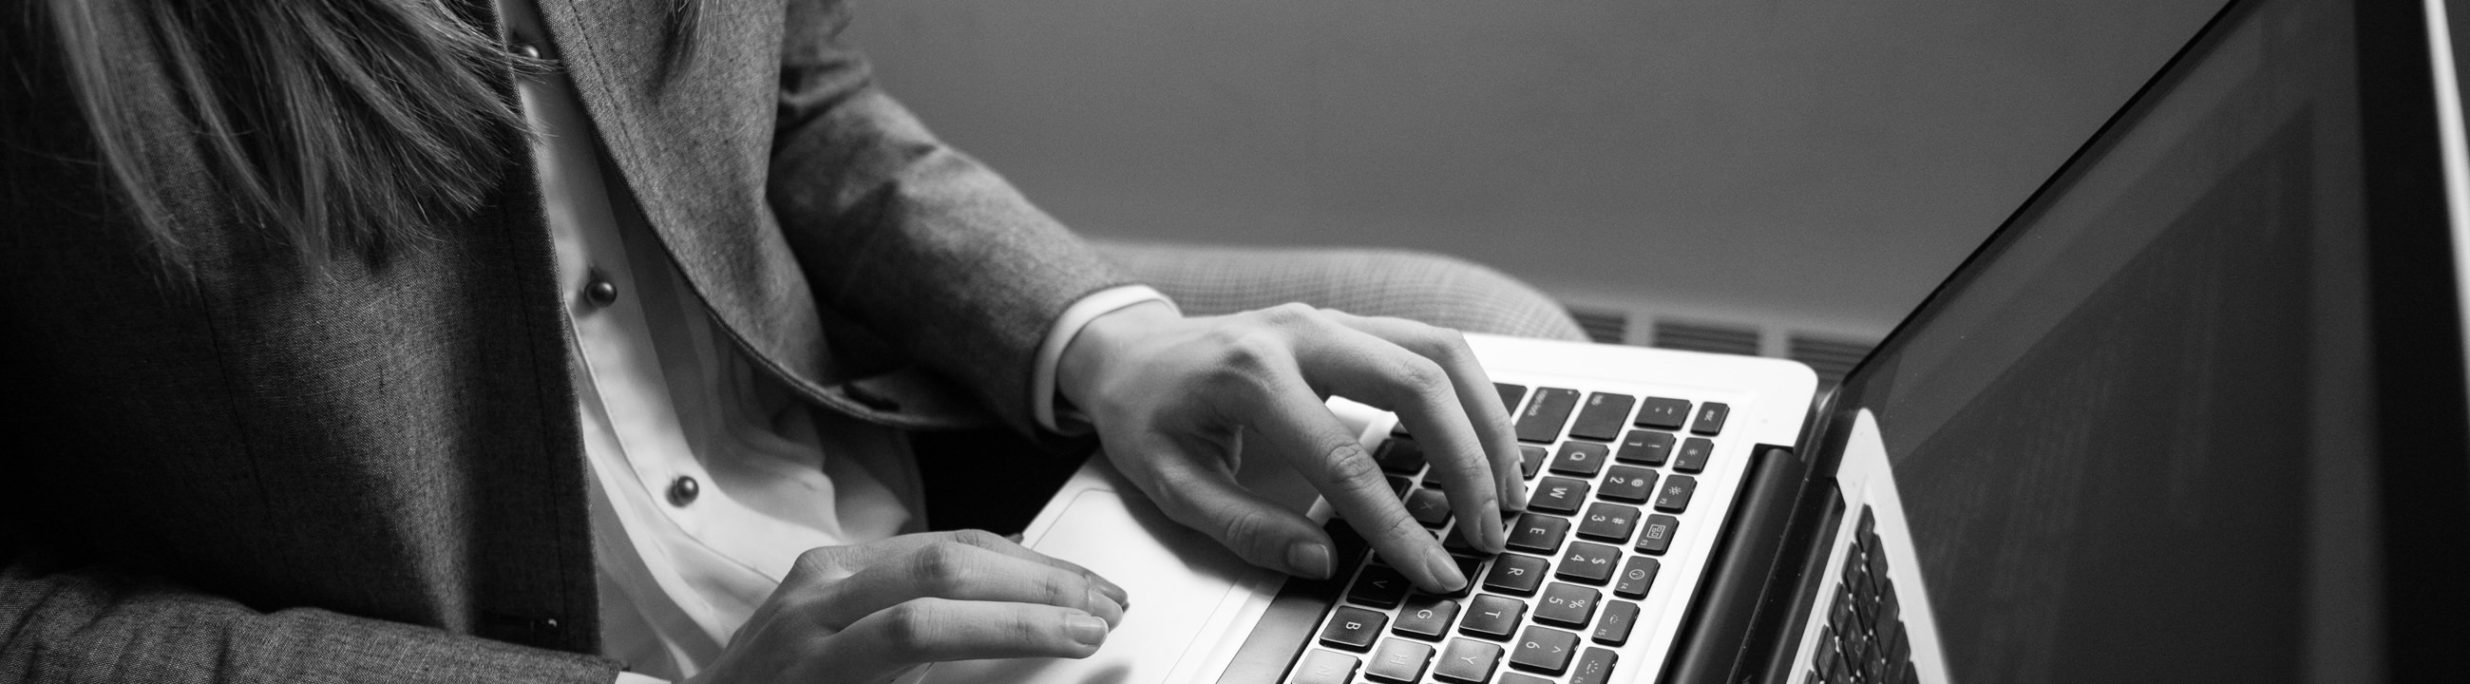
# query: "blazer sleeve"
926, 247
65, 625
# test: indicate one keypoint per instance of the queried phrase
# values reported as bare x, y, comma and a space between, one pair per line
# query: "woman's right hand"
868, 612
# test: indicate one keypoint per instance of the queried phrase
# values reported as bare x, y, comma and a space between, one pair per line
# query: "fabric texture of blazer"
251, 471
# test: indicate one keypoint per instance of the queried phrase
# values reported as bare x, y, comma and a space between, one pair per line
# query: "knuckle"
978, 538
1348, 463
1243, 529
1290, 313
1064, 589
1421, 376
911, 625
939, 565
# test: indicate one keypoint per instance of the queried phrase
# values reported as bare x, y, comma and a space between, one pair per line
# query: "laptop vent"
1602, 326
1706, 337
1831, 357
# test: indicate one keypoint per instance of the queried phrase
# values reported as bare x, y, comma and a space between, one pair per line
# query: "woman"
541, 339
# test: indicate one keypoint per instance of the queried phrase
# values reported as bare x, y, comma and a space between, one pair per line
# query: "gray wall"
1822, 163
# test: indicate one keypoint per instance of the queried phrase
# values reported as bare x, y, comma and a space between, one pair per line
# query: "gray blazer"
253, 473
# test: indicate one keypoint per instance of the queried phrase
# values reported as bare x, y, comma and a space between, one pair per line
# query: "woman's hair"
344, 127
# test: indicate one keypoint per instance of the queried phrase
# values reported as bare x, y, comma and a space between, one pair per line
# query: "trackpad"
1182, 584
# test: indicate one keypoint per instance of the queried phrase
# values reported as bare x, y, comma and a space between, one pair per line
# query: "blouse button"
682, 491
600, 290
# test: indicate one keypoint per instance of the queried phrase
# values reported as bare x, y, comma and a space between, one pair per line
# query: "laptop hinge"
1714, 640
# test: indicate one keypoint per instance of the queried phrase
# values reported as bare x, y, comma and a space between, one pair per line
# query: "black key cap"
1399, 661
1567, 605
1510, 394
1542, 419
1581, 459
1614, 629
1589, 563
1657, 538
1676, 496
1645, 447
1516, 678
1323, 666
1603, 416
1595, 667
1711, 417
1840, 616
1399, 486
1516, 574
1378, 586
1530, 460
1400, 455
1608, 522
1659, 412
1467, 661
1350, 546
1544, 649
1627, 483
1426, 617
1538, 533
1637, 576
1468, 567
1353, 628
1493, 617
1694, 454
1429, 506
1558, 495
1889, 610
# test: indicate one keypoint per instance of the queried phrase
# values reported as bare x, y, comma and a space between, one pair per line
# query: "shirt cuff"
1042, 381
636, 678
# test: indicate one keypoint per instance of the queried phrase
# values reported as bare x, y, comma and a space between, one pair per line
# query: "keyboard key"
1400, 455
1659, 412
1510, 394
1379, 586
1694, 454
1350, 546
1567, 605
1614, 629
1595, 667
1889, 611
1603, 416
1530, 460
1516, 574
1627, 483
1516, 678
1544, 649
1558, 495
1538, 533
1608, 522
1429, 506
1468, 567
1541, 421
1581, 459
1657, 537
1399, 661
1589, 563
1493, 617
1426, 617
1645, 447
1637, 576
1676, 494
1399, 486
1711, 417
1467, 661
1353, 628
1324, 666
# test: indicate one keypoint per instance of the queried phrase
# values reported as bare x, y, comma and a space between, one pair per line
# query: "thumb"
1201, 493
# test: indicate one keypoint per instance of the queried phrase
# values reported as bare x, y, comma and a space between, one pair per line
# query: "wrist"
1080, 372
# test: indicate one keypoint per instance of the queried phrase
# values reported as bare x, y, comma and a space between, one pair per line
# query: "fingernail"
1513, 496
1308, 559
1104, 607
1113, 590
1438, 562
1087, 629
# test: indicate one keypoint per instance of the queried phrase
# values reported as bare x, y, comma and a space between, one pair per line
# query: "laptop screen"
2132, 434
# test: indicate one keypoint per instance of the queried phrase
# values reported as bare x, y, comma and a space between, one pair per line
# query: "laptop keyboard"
1610, 478
1863, 641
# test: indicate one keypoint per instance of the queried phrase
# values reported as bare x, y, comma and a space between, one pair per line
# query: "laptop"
2196, 411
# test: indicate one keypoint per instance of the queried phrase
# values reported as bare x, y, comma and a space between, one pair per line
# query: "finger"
931, 630
1297, 424
1491, 420
1194, 494
948, 569
1372, 370
1012, 547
